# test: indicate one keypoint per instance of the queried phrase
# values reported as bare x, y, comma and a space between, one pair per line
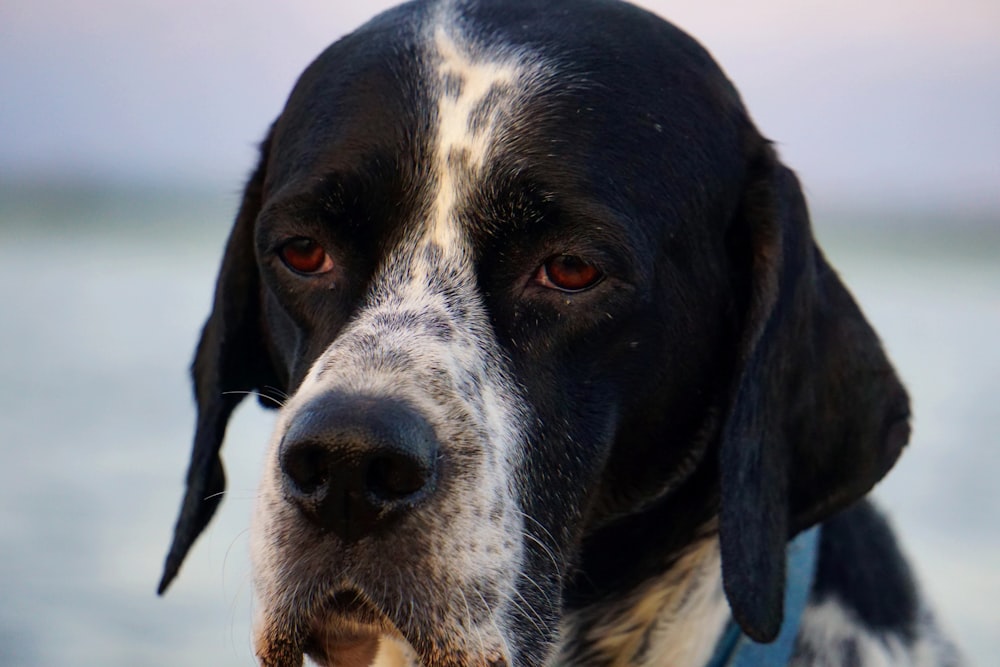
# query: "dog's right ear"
231, 362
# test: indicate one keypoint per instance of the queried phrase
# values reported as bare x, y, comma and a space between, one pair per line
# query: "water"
102, 298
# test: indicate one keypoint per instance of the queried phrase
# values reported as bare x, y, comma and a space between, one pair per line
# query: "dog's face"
525, 281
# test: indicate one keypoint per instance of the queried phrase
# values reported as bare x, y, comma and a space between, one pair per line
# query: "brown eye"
304, 255
568, 273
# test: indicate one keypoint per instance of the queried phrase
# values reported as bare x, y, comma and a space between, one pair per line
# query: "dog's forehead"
446, 98
410, 111
479, 96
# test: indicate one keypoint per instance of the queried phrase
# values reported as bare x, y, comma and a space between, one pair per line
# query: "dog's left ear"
817, 414
231, 362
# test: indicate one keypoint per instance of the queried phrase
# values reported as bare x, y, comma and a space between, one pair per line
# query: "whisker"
472, 624
247, 582
526, 610
241, 392
277, 391
552, 552
545, 549
490, 613
234, 599
548, 598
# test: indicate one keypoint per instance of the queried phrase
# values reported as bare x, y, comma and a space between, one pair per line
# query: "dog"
563, 376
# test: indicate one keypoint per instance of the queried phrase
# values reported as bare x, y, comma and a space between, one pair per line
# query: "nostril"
393, 476
307, 466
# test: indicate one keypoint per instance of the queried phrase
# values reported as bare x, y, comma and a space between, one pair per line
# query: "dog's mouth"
345, 631
349, 630
339, 650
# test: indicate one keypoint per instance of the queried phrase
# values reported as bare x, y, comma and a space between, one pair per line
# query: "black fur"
882, 593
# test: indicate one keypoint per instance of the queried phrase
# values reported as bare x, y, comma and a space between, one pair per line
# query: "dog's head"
526, 281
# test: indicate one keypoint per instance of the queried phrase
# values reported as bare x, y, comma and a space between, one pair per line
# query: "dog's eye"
568, 273
305, 255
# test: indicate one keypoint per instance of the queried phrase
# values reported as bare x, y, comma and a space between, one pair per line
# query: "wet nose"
354, 464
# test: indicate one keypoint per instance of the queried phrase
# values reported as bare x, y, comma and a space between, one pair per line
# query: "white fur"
476, 79
829, 627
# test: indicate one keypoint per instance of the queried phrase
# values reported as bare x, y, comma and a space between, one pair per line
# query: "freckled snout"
355, 464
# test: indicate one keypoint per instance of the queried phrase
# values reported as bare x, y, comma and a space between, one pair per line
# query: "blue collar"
737, 650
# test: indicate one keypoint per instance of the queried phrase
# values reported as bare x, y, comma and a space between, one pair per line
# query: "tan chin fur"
360, 654
394, 653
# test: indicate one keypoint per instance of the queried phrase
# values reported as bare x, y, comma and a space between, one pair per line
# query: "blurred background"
126, 130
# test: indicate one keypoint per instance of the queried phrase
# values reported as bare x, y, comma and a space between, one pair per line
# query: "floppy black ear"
817, 414
231, 361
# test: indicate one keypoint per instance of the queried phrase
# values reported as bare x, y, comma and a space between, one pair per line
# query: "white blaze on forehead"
473, 93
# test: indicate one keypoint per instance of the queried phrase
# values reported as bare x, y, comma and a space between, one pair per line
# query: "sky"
876, 102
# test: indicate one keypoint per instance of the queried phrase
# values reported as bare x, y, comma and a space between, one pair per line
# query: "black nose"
354, 464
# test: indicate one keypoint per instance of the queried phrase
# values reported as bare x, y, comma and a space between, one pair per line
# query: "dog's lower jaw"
375, 651
330, 639
394, 653
364, 651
